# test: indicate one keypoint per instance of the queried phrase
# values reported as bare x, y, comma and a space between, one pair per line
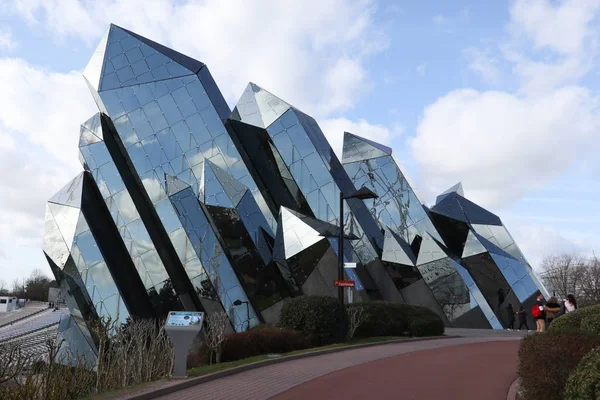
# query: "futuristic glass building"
184, 204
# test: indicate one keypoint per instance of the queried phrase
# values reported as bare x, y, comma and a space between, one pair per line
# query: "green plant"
546, 361
584, 382
252, 343
574, 320
426, 326
392, 319
322, 319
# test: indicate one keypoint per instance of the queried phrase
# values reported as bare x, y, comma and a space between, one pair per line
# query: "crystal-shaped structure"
184, 204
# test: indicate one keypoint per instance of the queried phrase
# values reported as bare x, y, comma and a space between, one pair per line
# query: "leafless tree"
3, 288
563, 274
216, 327
356, 316
589, 288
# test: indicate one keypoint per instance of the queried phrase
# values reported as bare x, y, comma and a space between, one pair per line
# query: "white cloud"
323, 43
483, 64
46, 107
563, 28
7, 42
503, 145
537, 241
334, 130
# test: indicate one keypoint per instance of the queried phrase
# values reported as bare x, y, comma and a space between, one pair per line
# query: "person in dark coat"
511, 317
523, 319
552, 309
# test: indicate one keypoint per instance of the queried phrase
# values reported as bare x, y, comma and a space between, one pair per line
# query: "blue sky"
502, 96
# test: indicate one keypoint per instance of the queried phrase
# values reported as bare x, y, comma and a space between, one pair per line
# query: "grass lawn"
209, 369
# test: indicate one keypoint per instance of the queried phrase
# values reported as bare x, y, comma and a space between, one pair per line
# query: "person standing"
511, 317
570, 304
552, 308
538, 313
522, 319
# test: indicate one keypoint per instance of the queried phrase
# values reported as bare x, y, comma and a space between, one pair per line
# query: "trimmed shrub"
591, 323
584, 382
426, 326
384, 318
546, 361
322, 319
252, 343
574, 320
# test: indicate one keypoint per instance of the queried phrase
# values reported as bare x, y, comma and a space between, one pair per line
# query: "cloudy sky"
502, 96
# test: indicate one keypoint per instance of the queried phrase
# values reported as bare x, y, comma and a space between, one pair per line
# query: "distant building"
8, 303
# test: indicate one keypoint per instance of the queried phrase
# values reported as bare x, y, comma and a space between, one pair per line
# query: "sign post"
182, 327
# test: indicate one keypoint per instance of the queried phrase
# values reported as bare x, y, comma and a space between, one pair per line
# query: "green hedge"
584, 382
574, 320
252, 343
547, 359
323, 319
392, 319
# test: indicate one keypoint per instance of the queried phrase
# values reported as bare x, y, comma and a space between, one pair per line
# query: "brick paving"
464, 372
269, 381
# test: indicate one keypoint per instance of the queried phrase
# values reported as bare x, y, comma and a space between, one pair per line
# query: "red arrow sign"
344, 283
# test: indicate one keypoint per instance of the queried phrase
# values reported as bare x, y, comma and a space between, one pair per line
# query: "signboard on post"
185, 319
349, 265
182, 327
343, 283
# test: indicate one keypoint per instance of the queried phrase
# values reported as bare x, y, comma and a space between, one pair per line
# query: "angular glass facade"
184, 204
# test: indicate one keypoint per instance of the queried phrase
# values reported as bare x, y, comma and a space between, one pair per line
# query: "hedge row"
253, 343
321, 318
546, 360
565, 361
393, 319
311, 321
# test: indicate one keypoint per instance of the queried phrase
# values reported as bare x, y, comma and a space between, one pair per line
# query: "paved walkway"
464, 372
454, 366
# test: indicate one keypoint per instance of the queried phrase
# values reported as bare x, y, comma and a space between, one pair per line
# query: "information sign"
185, 319
343, 283
349, 265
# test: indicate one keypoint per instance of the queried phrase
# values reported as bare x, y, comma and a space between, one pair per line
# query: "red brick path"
411, 368
465, 372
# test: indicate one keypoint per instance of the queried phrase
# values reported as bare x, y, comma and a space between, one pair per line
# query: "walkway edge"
242, 368
512, 391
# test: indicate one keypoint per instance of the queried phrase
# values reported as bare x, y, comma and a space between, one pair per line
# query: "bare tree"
3, 288
216, 327
589, 288
356, 316
563, 274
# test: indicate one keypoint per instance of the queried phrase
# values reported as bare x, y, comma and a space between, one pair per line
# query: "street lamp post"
239, 303
362, 194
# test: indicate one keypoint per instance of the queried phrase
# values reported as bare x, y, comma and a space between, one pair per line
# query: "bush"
252, 343
322, 319
392, 319
426, 326
584, 382
574, 320
591, 323
546, 360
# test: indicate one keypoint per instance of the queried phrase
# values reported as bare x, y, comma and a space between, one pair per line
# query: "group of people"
542, 312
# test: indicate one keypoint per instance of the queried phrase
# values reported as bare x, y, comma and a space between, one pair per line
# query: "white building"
8, 303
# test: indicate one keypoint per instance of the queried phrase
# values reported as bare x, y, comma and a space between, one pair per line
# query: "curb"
512, 391
236, 370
